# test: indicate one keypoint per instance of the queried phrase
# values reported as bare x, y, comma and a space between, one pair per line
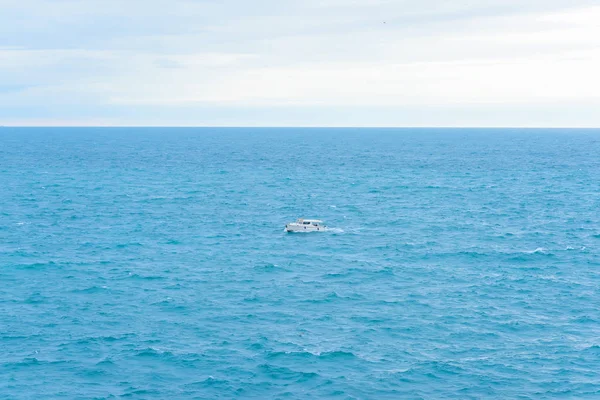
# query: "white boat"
305, 225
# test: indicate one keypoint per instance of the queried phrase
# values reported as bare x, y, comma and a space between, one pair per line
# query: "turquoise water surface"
152, 263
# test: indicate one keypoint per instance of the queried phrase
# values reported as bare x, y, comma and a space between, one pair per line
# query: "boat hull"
291, 228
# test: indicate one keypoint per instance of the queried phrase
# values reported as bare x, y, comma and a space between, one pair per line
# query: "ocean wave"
269, 268
278, 372
135, 276
141, 393
108, 339
539, 250
333, 296
209, 382
106, 362
35, 266
151, 352
127, 245
29, 362
337, 275
387, 271
91, 290
475, 254
326, 355
592, 349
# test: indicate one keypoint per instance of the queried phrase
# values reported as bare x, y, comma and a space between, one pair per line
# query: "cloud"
538, 58
127, 57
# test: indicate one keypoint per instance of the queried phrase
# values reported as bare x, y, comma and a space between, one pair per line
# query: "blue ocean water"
152, 263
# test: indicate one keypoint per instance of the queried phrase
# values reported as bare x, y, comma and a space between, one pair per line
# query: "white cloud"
511, 65
326, 53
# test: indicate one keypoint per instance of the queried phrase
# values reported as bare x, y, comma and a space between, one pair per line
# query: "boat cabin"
313, 222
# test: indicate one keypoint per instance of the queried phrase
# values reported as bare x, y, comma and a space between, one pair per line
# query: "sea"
152, 263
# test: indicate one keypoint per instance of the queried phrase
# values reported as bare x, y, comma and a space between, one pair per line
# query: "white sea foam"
536, 251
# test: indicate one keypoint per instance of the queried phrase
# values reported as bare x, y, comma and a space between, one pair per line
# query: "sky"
406, 63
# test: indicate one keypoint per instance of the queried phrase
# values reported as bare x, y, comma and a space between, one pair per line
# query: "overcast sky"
300, 63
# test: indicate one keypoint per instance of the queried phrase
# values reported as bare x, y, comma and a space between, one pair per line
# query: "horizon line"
296, 127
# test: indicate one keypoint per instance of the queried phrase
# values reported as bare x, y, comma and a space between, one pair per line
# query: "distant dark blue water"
152, 263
